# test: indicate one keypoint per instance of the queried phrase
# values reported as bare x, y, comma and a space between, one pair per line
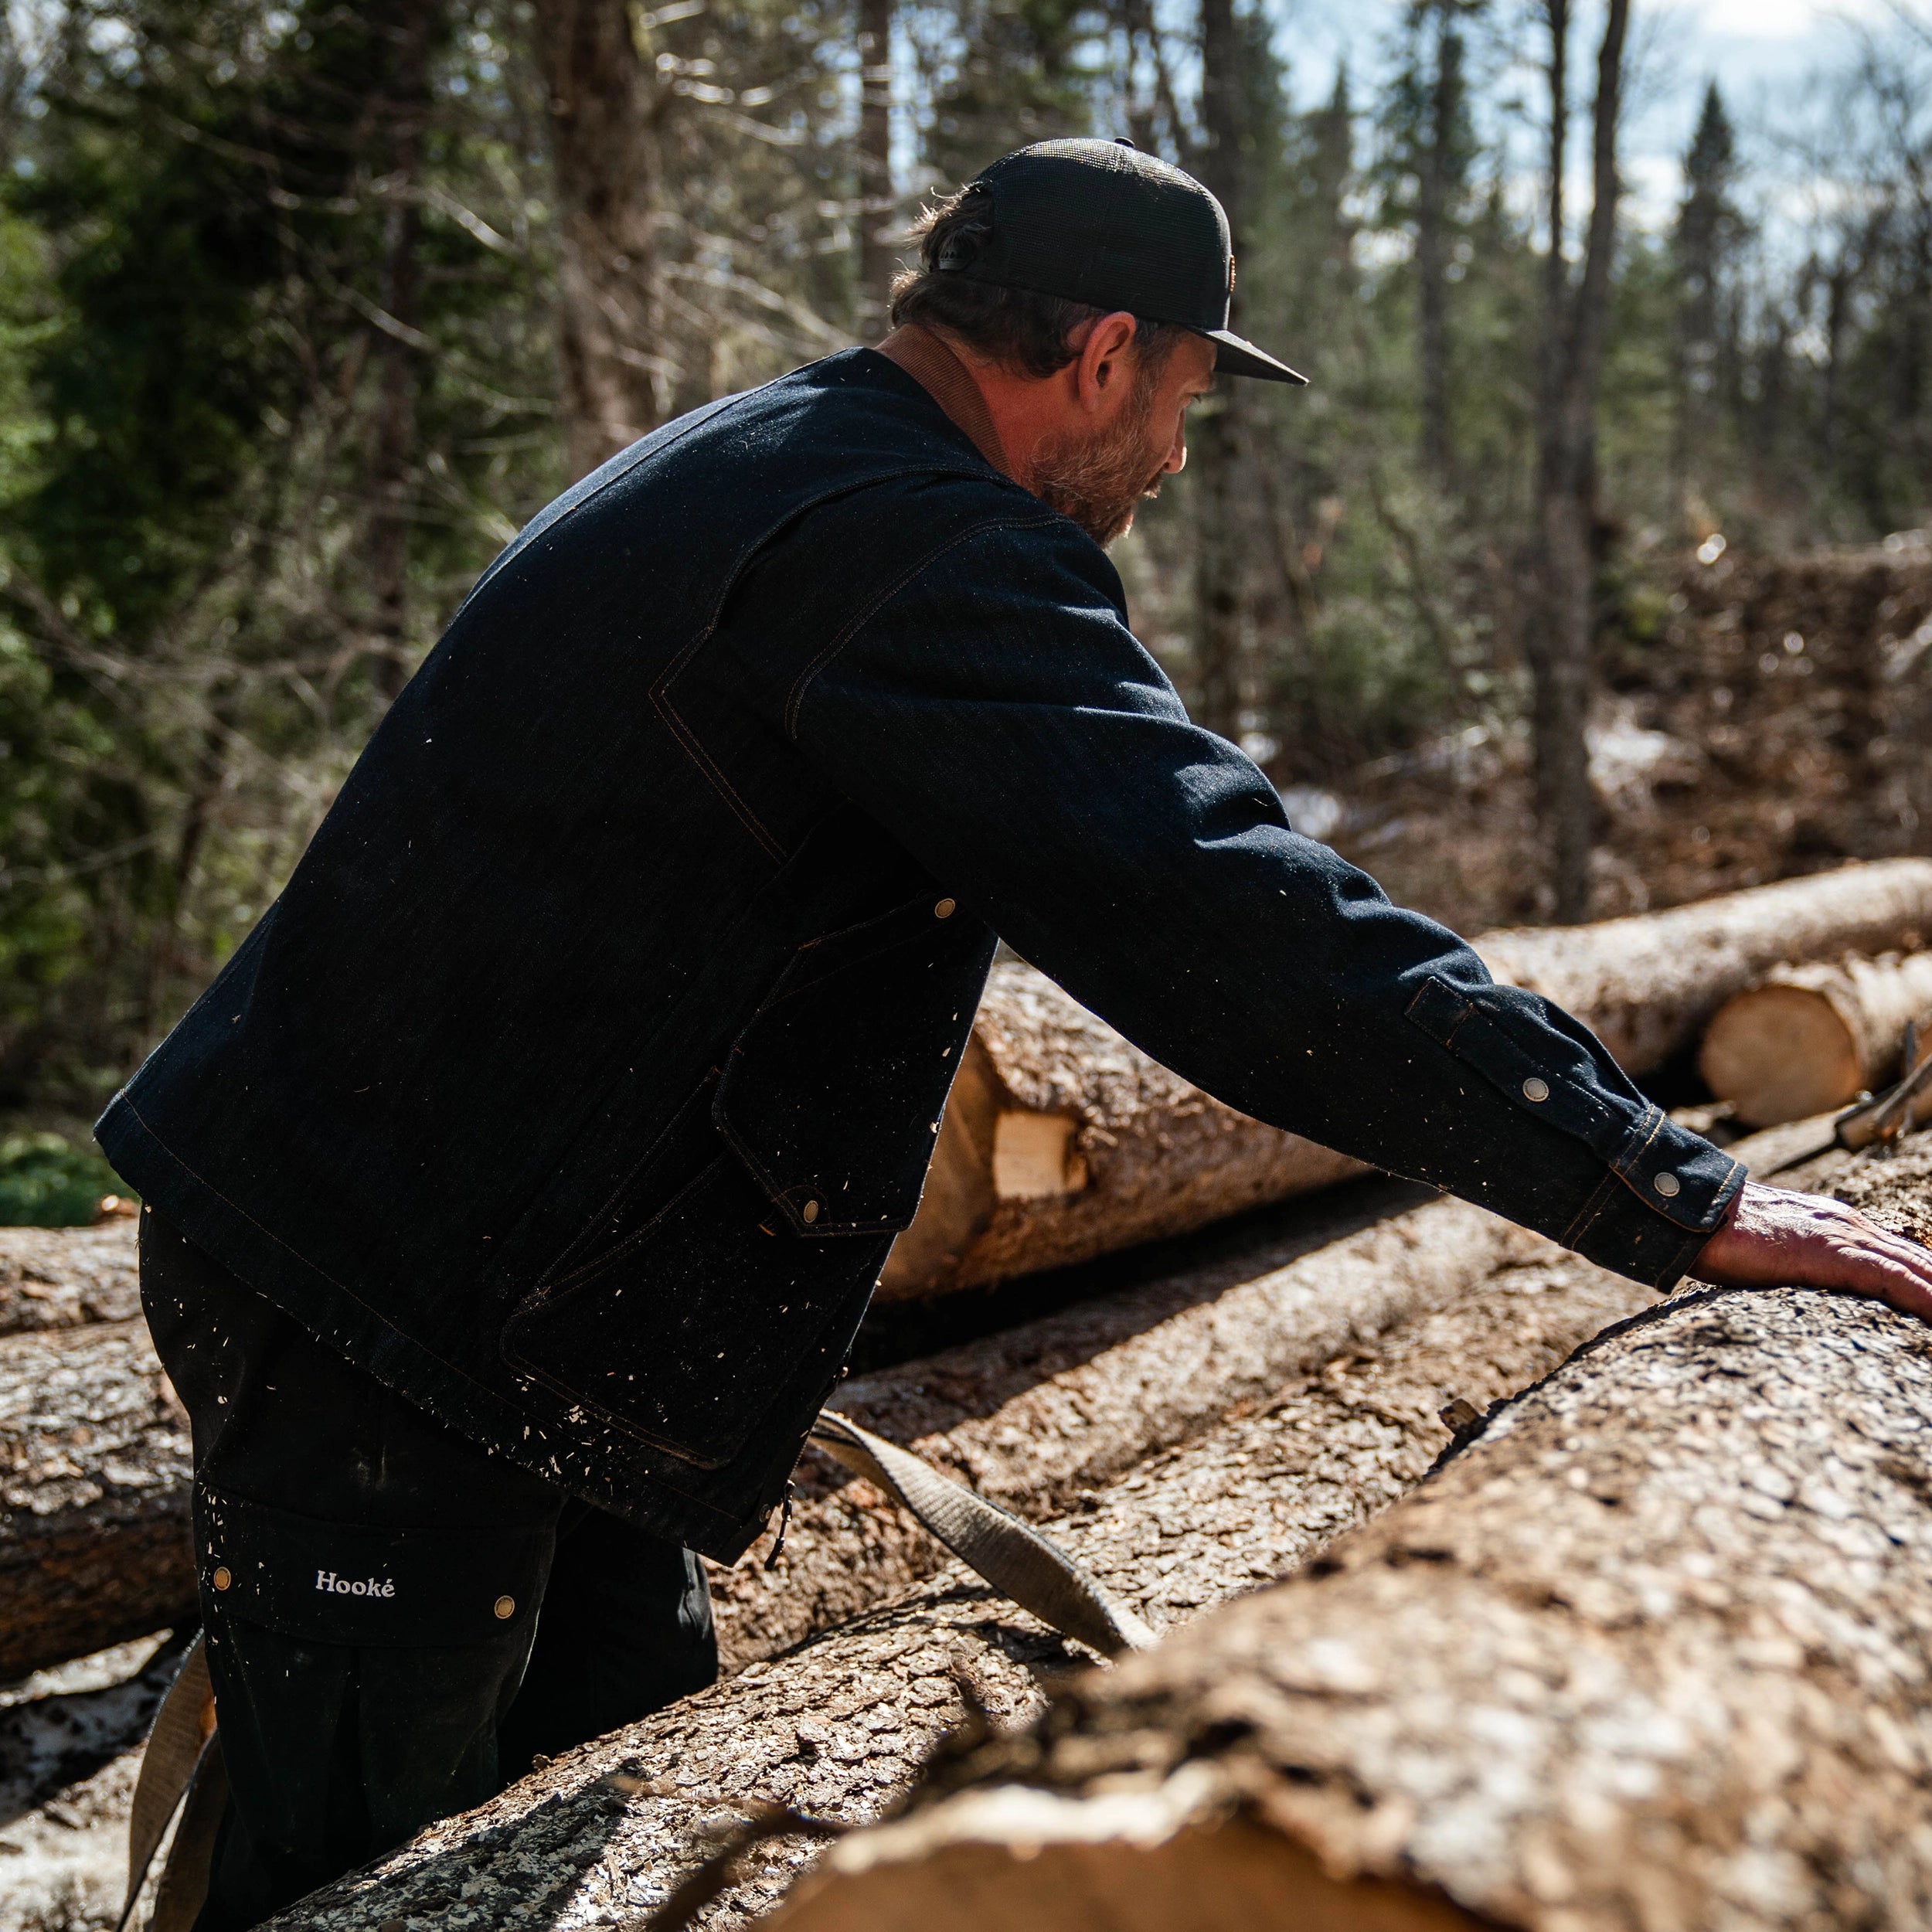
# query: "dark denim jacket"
578, 1082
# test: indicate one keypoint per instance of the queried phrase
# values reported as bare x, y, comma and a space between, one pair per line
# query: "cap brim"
1233, 357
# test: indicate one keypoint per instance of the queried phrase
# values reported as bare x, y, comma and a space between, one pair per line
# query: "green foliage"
45, 1182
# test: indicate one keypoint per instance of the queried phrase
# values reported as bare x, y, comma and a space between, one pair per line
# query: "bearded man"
514, 1193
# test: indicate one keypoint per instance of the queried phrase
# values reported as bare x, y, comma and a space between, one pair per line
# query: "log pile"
1649, 1651
1037, 1415
838, 1728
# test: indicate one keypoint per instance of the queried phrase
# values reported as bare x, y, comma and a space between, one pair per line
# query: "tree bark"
1061, 1140
1560, 642
66, 1277
94, 1473
1808, 1038
1649, 1651
1436, 179
1036, 1415
400, 348
1647, 984
603, 157
877, 258
1218, 433
838, 1728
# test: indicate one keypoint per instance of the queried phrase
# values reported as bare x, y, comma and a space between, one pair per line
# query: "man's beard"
1098, 482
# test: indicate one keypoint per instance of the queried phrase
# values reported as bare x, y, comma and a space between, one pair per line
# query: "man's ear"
1105, 368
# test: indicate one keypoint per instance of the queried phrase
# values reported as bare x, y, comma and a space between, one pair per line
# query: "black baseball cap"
1100, 223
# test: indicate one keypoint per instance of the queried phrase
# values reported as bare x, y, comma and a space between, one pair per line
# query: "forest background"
306, 306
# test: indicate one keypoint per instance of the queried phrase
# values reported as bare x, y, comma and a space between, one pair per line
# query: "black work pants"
371, 1584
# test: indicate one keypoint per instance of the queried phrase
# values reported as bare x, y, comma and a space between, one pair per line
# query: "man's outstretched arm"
1773, 1238
994, 713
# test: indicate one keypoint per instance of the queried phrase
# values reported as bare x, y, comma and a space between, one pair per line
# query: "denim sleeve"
994, 712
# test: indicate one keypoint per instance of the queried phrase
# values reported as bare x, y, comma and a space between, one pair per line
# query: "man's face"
1096, 475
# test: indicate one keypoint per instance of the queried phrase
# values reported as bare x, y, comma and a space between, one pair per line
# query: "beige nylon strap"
1013, 1556
177, 1743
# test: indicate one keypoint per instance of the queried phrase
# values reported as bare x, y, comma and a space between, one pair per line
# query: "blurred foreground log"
1647, 984
838, 1728
1808, 1039
1650, 1652
1062, 1141
94, 1472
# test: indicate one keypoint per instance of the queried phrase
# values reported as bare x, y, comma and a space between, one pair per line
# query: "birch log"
1650, 1652
1647, 984
1062, 1141
1808, 1038
94, 1474
838, 1727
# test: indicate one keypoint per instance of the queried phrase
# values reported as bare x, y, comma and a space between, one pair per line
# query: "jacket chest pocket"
682, 1319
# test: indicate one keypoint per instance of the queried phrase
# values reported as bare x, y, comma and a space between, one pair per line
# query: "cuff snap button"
1668, 1185
1536, 1089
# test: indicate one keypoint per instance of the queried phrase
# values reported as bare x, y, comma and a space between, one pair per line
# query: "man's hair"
1030, 334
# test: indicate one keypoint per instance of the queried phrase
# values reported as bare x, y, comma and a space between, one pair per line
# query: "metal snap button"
1668, 1185
222, 1577
809, 1212
945, 908
1536, 1089
505, 1609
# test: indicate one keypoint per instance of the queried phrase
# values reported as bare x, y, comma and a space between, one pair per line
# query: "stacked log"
1061, 1140
1037, 1415
95, 1467
1649, 1651
837, 1729
1647, 984
1806, 1039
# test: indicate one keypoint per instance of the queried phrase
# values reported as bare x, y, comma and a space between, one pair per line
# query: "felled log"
1647, 984
1808, 1039
94, 1472
838, 1728
1036, 1416
1061, 1140
66, 1277
1651, 1652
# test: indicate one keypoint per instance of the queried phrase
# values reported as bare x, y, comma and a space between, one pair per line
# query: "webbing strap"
1012, 1555
177, 1740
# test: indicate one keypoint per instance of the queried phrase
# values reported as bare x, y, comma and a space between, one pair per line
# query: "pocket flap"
832, 1094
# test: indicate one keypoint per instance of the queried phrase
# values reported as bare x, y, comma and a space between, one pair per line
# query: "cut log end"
1781, 1052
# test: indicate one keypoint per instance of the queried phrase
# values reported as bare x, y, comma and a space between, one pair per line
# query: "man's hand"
1773, 1238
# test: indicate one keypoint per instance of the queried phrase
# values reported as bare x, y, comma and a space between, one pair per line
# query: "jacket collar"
931, 362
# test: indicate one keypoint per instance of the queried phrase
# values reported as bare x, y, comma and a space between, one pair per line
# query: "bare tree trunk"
1218, 437
1436, 178
399, 350
1561, 643
603, 153
877, 258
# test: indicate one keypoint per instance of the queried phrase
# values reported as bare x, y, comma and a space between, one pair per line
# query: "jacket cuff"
1665, 1195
